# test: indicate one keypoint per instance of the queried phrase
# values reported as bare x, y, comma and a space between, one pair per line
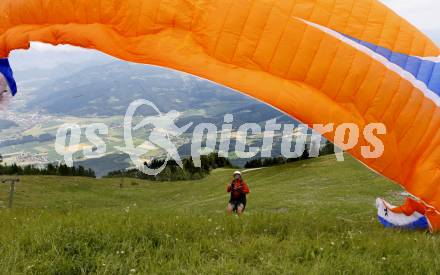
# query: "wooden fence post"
11, 192
12, 182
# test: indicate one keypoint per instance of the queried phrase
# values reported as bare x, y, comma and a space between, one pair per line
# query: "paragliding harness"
235, 202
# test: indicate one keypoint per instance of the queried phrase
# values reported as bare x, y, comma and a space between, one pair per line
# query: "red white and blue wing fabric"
422, 72
389, 219
425, 71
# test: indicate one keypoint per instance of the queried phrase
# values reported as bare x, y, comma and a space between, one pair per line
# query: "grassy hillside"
316, 216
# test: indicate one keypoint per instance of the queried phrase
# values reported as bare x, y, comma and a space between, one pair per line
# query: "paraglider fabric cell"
341, 61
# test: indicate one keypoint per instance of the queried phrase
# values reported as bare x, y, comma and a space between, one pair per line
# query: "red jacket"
238, 188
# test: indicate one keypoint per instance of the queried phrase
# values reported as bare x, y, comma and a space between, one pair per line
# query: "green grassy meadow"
311, 217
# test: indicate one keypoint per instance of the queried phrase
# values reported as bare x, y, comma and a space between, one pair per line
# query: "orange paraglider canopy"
342, 61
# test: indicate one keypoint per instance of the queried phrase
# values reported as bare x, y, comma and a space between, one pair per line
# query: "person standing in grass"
239, 190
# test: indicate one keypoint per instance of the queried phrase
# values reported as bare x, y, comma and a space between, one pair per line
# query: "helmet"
237, 173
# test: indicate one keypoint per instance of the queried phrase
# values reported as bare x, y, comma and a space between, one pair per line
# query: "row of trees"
172, 171
49, 170
327, 149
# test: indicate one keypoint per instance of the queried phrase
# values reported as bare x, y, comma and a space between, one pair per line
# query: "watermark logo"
164, 128
206, 138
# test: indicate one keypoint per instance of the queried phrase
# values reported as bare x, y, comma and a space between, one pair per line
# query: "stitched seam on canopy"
242, 30
431, 78
382, 115
335, 97
43, 9
364, 29
231, 3
418, 69
415, 120
22, 13
195, 13
369, 104
349, 16
412, 45
9, 12
156, 14
295, 54
173, 21
431, 72
432, 126
419, 106
99, 11
405, 62
412, 153
141, 8
338, 47
425, 48
370, 64
323, 36
381, 33
401, 107
86, 15
269, 65
394, 46
422, 137
331, 64
263, 30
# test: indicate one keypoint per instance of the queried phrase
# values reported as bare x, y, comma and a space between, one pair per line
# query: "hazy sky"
421, 13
